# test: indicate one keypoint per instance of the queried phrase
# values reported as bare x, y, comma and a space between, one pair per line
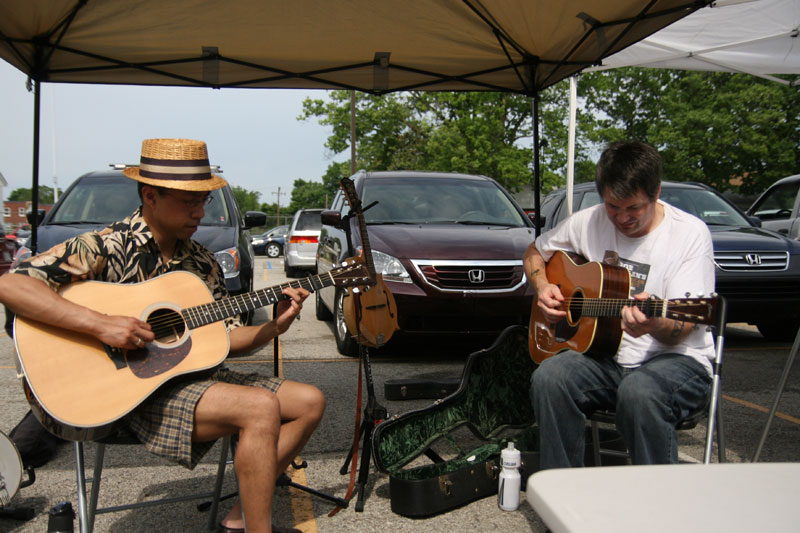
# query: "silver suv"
779, 207
302, 241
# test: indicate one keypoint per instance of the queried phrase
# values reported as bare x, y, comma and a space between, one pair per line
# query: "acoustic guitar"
81, 383
370, 312
594, 295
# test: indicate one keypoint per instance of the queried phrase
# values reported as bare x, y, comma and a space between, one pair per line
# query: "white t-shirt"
674, 259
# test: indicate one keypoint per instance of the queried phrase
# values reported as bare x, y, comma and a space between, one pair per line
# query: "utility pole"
278, 216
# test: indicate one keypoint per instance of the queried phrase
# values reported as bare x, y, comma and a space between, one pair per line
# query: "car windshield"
103, 200
777, 203
421, 200
702, 203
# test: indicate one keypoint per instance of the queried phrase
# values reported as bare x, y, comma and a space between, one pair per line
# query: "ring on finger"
139, 341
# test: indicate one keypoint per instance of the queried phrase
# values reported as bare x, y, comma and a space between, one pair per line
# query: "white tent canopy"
757, 37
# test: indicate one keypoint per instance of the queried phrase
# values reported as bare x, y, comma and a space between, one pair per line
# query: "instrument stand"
374, 413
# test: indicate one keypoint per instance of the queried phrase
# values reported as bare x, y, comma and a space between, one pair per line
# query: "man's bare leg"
253, 413
301, 407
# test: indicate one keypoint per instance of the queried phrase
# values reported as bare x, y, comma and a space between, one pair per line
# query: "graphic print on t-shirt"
638, 271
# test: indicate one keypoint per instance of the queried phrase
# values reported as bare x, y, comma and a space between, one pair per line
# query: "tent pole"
573, 104
37, 92
536, 206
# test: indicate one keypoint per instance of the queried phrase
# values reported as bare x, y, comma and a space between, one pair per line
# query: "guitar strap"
349, 495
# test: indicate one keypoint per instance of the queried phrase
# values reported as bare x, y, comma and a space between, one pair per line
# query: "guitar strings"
164, 324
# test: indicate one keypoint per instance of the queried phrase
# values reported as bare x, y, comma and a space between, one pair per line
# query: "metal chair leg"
80, 474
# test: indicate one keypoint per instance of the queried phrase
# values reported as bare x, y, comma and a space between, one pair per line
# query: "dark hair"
626, 167
160, 190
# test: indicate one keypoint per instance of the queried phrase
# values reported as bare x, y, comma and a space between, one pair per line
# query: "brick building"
14, 213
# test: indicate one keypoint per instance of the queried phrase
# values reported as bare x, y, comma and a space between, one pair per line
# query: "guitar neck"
612, 307
202, 315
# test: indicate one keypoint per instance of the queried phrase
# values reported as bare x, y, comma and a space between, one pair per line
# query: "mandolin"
370, 312
595, 294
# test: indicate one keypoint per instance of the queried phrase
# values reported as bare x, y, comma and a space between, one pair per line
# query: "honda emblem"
753, 259
477, 276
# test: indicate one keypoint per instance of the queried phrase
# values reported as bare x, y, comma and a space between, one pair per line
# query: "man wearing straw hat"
272, 417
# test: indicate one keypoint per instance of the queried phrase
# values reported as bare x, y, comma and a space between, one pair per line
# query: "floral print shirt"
124, 252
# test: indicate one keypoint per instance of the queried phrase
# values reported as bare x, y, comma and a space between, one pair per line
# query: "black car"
99, 198
270, 243
449, 247
757, 270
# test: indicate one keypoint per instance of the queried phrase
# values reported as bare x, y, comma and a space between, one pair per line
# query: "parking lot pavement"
308, 354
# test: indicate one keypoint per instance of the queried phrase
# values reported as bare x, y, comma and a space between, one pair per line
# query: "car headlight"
229, 261
257, 241
390, 267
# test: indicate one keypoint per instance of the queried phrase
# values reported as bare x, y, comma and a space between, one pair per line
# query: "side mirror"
254, 219
331, 218
755, 220
35, 219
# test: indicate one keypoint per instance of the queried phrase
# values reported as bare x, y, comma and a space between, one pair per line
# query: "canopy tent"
375, 46
757, 37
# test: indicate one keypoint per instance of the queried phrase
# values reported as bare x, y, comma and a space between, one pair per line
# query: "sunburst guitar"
74, 381
594, 295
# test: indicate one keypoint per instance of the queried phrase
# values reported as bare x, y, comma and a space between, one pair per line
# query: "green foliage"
46, 195
471, 132
247, 200
732, 131
308, 195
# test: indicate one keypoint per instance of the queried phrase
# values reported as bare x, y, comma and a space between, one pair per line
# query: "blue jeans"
649, 400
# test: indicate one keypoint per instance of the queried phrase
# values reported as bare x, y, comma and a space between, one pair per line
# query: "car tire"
273, 250
345, 342
323, 313
289, 271
778, 330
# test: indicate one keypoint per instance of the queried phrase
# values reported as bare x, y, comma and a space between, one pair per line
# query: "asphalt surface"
753, 367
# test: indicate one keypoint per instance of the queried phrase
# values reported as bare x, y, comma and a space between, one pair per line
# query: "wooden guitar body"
594, 296
371, 314
82, 383
584, 334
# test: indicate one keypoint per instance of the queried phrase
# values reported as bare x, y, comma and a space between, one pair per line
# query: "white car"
302, 241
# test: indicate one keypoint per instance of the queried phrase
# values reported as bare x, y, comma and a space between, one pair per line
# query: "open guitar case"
448, 454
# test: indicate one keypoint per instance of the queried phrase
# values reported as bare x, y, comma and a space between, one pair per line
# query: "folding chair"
711, 409
87, 508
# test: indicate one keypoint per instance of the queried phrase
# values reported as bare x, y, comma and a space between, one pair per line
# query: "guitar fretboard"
202, 315
612, 307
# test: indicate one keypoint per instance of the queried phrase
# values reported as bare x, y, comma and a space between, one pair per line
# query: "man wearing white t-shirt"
662, 370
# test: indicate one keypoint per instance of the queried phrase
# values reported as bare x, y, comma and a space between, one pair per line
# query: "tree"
485, 133
46, 195
247, 200
731, 131
308, 194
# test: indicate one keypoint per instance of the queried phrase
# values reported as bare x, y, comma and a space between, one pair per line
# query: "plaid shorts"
164, 422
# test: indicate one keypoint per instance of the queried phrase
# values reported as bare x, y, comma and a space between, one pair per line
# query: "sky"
252, 134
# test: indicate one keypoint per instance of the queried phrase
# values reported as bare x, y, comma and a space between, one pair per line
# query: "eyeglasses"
194, 202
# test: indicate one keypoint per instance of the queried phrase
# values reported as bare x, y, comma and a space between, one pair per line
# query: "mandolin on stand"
370, 312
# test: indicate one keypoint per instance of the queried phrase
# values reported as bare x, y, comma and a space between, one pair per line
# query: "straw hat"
175, 164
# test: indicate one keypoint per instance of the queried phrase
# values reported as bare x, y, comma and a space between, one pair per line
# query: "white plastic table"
686, 498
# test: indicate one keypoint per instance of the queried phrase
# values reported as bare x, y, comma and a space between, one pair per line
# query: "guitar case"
448, 454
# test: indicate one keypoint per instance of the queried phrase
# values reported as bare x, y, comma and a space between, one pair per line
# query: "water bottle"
508, 491
61, 518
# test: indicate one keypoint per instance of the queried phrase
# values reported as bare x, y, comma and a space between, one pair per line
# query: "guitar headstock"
353, 272
696, 310
350, 194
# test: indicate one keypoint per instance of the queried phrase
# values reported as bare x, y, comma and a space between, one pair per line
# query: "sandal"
275, 529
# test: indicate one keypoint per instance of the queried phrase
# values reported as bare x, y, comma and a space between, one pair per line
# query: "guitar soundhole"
168, 325
575, 307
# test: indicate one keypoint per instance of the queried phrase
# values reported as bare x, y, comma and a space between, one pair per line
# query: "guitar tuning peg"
688, 294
